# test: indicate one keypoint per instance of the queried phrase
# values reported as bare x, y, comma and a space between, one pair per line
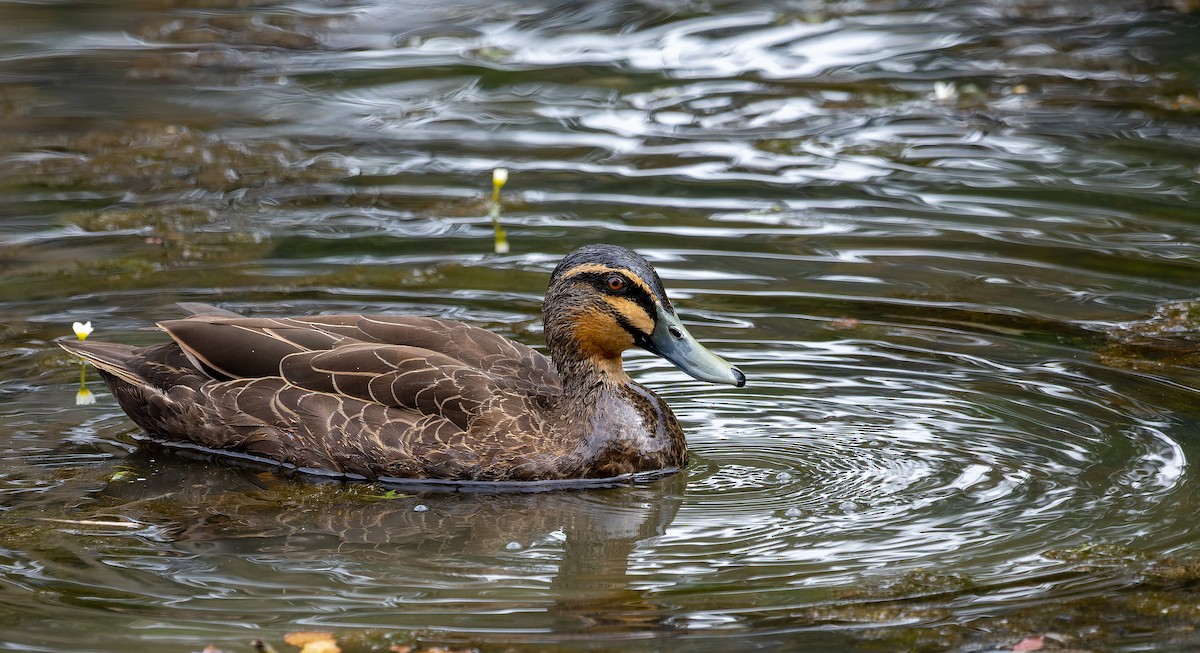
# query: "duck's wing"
198, 308
246, 348
442, 368
411, 378
473, 346
237, 348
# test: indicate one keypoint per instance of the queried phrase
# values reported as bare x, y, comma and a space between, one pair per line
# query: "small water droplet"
792, 512
513, 546
848, 506
783, 477
420, 507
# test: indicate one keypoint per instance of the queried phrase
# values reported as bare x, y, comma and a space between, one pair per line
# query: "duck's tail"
124, 361
106, 357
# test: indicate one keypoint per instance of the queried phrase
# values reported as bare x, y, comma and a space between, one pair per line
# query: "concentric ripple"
865, 457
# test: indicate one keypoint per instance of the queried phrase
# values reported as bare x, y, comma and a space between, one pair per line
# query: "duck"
423, 398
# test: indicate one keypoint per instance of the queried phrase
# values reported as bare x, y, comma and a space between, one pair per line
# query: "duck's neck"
584, 379
587, 366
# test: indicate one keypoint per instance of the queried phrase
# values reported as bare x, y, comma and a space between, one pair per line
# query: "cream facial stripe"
633, 313
600, 268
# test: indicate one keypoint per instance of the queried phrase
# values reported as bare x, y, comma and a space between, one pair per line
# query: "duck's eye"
615, 283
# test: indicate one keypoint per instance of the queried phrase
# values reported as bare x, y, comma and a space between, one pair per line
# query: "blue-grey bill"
673, 342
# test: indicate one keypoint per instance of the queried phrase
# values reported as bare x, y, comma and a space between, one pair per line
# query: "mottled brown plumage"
424, 398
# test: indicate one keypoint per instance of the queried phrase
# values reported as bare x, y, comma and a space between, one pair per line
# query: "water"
911, 225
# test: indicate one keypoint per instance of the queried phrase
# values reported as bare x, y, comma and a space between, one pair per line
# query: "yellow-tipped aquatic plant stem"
499, 178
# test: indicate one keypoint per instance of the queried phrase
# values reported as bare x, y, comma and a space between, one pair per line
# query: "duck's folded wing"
410, 378
242, 347
237, 348
471, 345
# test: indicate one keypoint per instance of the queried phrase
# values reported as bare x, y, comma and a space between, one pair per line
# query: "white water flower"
945, 91
83, 329
84, 397
499, 176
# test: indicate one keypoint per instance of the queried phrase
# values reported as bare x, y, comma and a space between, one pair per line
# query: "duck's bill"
673, 342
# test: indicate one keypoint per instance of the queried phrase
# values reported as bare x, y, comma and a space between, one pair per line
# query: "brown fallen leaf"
313, 642
1030, 644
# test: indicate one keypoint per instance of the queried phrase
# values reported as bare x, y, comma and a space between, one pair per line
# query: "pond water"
915, 227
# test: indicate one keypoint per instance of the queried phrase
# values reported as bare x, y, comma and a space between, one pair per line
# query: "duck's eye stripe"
599, 269
634, 292
631, 315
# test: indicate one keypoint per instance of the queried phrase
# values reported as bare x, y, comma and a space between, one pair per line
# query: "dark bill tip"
738, 378
673, 342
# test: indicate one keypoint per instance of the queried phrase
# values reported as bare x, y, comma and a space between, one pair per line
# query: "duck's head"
604, 299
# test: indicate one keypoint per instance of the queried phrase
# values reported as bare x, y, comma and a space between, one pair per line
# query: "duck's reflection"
574, 547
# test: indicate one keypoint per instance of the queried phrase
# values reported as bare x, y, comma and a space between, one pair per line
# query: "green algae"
291, 31
151, 156
1169, 337
172, 218
1100, 554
